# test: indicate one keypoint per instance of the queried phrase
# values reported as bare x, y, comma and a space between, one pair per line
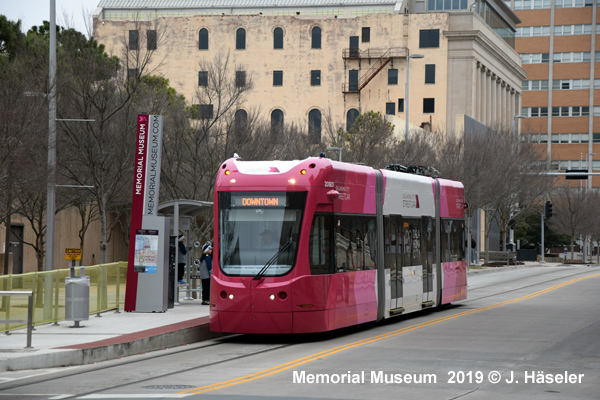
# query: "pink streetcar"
317, 245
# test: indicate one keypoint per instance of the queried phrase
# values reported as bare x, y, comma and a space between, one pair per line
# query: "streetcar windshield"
258, 229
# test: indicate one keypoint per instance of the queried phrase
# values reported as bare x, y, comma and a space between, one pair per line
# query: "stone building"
314, 59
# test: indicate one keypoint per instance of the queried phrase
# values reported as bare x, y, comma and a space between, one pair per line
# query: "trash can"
77, 297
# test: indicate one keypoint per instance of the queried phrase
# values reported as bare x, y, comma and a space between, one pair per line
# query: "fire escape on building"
377, 59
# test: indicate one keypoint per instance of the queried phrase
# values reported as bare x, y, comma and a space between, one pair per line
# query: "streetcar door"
428, 258
392, 229
412, 265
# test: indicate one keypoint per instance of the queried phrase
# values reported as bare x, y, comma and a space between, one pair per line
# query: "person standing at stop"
205, 272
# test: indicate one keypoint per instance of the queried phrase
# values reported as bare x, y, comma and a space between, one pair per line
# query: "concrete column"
488, 97
477, 96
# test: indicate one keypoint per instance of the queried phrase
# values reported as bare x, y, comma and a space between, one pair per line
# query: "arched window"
314, 126
203, 39
278, 38
240, 39
276, 122
351, 116
316, 38
241, 122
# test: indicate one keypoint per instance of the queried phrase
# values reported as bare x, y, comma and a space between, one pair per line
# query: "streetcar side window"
411, 240
355, 243
452, 240
318, 246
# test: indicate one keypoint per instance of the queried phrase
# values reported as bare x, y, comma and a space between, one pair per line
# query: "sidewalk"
480, 269
110, 336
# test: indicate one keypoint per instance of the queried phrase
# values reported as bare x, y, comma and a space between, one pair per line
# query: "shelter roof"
186, 207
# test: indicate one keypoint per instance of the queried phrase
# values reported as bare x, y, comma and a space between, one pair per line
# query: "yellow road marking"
335, 350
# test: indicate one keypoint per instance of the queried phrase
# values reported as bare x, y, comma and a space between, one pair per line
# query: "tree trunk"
103, 236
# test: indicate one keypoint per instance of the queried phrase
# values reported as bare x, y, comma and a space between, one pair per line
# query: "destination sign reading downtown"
259, 201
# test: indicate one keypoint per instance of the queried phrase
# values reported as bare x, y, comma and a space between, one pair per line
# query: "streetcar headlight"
302, 172
227, 172
292, 181
231, 296
232, 181
272, 297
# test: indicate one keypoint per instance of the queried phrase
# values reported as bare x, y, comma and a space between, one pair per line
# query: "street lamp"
511, 232
513, 130
406, 95
588, 185
338, 149
589, 166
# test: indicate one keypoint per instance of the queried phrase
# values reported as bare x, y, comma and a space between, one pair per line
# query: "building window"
390, 108
151, 40
532, 31
353, 80
132, 73
532, 5
315, 77
203, 39
535, 85
276, 122
240, 39
535, 58
278, 38
277, 78
428, 106
366, 34
430, 73
133, 40
400, 105
240, 79
354, 47
206, 111
203, 78
392, 76
351, 116
433, 5
314, 126
316, 38
429, 38
202, 111
241, 122
534, 112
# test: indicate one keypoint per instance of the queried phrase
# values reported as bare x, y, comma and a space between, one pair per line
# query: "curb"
192, 331
498, 269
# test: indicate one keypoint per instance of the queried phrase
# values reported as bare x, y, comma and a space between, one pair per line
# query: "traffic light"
548, 209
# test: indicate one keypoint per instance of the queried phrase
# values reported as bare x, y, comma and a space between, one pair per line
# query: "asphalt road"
530, 333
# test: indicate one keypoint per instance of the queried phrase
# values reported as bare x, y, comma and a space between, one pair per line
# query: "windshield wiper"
272, 260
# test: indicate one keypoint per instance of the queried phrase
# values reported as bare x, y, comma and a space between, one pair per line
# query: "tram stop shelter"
179, 209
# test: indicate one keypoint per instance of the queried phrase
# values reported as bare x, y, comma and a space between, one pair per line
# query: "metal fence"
107, 292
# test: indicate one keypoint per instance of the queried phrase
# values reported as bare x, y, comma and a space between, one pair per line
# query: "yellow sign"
72, 254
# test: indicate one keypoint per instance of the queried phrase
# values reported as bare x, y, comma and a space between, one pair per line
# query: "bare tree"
573, 211
497, 173
94, 86
22, 107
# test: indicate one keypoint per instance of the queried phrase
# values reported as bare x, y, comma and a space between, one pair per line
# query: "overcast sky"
69, 13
